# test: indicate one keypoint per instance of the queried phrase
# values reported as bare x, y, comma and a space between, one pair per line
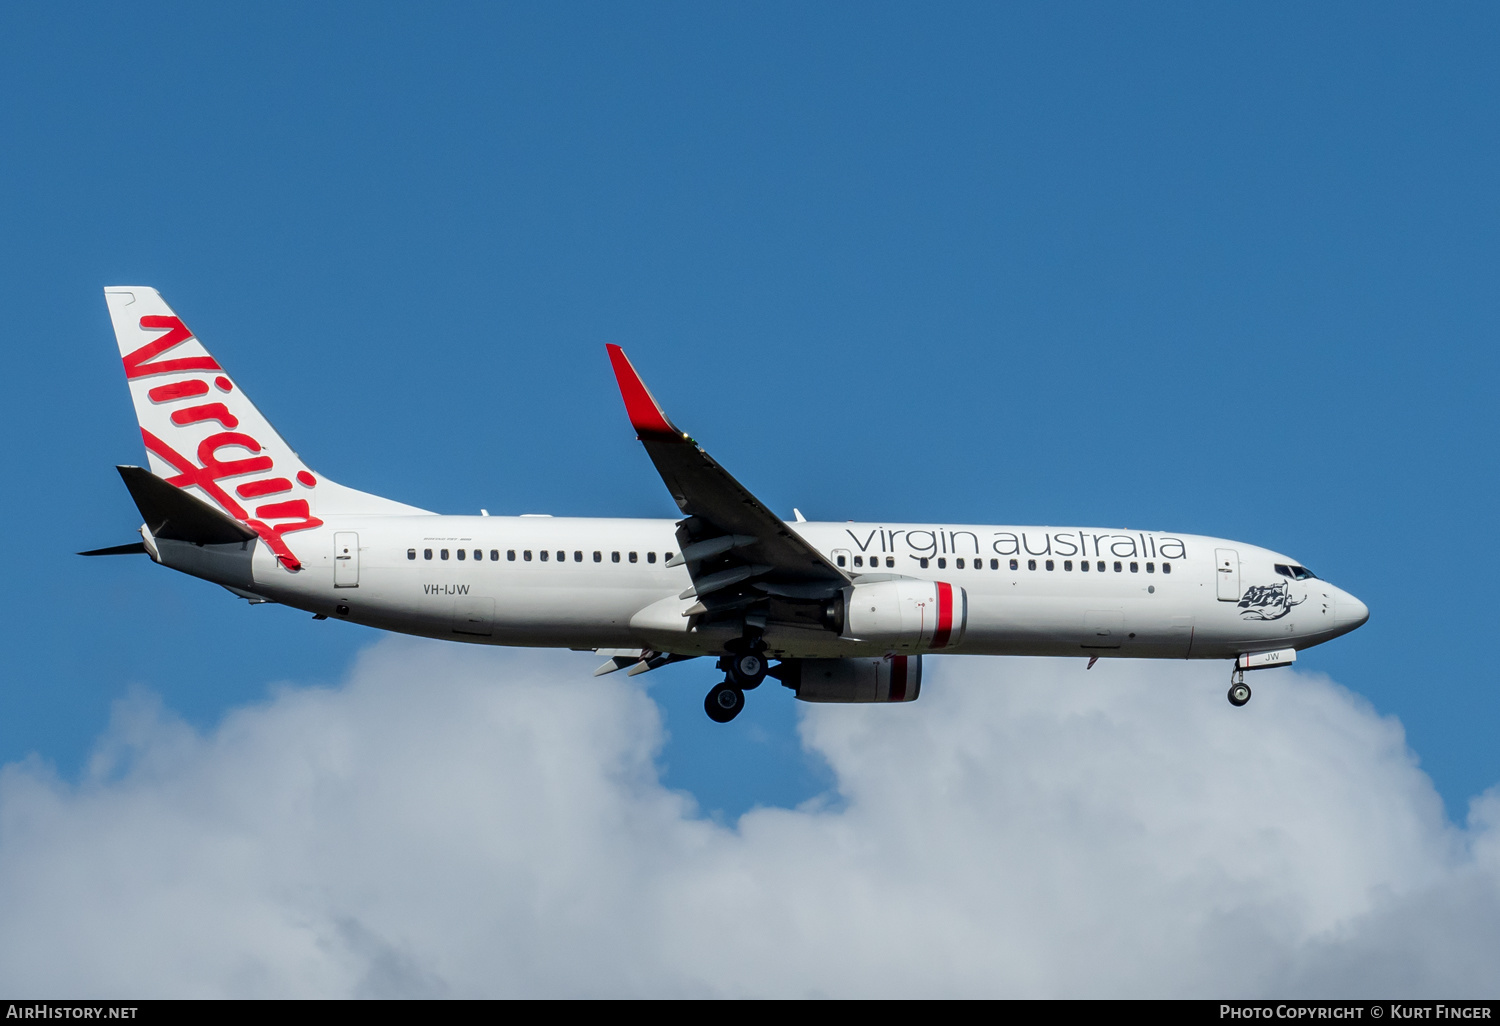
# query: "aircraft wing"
730, 540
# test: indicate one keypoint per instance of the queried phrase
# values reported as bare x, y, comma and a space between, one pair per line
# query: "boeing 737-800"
844, 610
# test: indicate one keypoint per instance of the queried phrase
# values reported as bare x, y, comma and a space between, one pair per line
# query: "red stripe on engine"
898, 679
945, 615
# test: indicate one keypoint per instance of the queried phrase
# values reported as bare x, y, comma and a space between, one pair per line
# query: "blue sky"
1212, 269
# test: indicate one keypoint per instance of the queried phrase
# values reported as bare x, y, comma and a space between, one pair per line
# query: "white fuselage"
848, 609
604, 584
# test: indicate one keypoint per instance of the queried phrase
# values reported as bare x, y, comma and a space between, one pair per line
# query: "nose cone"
1350, 612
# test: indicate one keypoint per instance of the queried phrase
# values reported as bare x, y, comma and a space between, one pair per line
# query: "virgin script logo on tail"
210, 469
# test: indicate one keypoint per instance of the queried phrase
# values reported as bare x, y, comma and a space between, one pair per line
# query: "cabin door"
345, 559
1227, 571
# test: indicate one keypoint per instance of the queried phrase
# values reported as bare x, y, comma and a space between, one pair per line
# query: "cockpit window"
1283, 570
1296, 573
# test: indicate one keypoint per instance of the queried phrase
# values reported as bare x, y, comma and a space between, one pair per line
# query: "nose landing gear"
1239, 691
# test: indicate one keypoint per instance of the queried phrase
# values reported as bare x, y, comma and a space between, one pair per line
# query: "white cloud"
464, 822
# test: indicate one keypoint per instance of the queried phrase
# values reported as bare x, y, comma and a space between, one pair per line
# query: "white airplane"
847, 610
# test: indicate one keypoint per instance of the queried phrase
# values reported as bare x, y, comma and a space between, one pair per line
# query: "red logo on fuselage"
210, 469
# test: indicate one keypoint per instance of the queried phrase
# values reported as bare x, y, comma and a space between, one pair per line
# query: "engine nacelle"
906, 614
891, 679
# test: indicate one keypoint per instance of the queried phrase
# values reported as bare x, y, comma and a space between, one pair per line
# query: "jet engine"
895, 678
906, 614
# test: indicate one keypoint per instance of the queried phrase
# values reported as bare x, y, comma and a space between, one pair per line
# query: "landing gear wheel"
724, 702
1239, 693
746, 669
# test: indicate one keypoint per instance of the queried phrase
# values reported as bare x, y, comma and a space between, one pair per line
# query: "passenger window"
495, 555
958, 564
1135, 568
598, 556
442, 553
577, 556
1050, 565
667, 556
1166, 567
1014, 565
478, 553
562, 557
923, 561
1031, 564
544, 555
462, 554
890, 561
614, 557
942, 564
1118, 567
1083, 565
510, 554
526, 555
1067, 564
1150, 568
411, 553
426, 553
858, 560
632, 557
994, 564
1100, 567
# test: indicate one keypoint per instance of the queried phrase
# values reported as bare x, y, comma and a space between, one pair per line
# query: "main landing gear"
1239, 691
724, 702
744, 668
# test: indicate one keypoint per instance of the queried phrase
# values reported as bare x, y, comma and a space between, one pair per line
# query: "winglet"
645, 412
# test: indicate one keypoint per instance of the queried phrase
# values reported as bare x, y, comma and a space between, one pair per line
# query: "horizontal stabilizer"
173, 514
118, 550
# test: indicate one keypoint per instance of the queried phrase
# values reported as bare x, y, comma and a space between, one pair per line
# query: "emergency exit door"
1228, 573
345, 559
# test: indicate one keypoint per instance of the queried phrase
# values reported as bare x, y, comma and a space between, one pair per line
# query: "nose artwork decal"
1268, 601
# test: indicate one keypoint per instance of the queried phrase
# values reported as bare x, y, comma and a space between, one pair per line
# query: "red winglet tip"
644, 411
